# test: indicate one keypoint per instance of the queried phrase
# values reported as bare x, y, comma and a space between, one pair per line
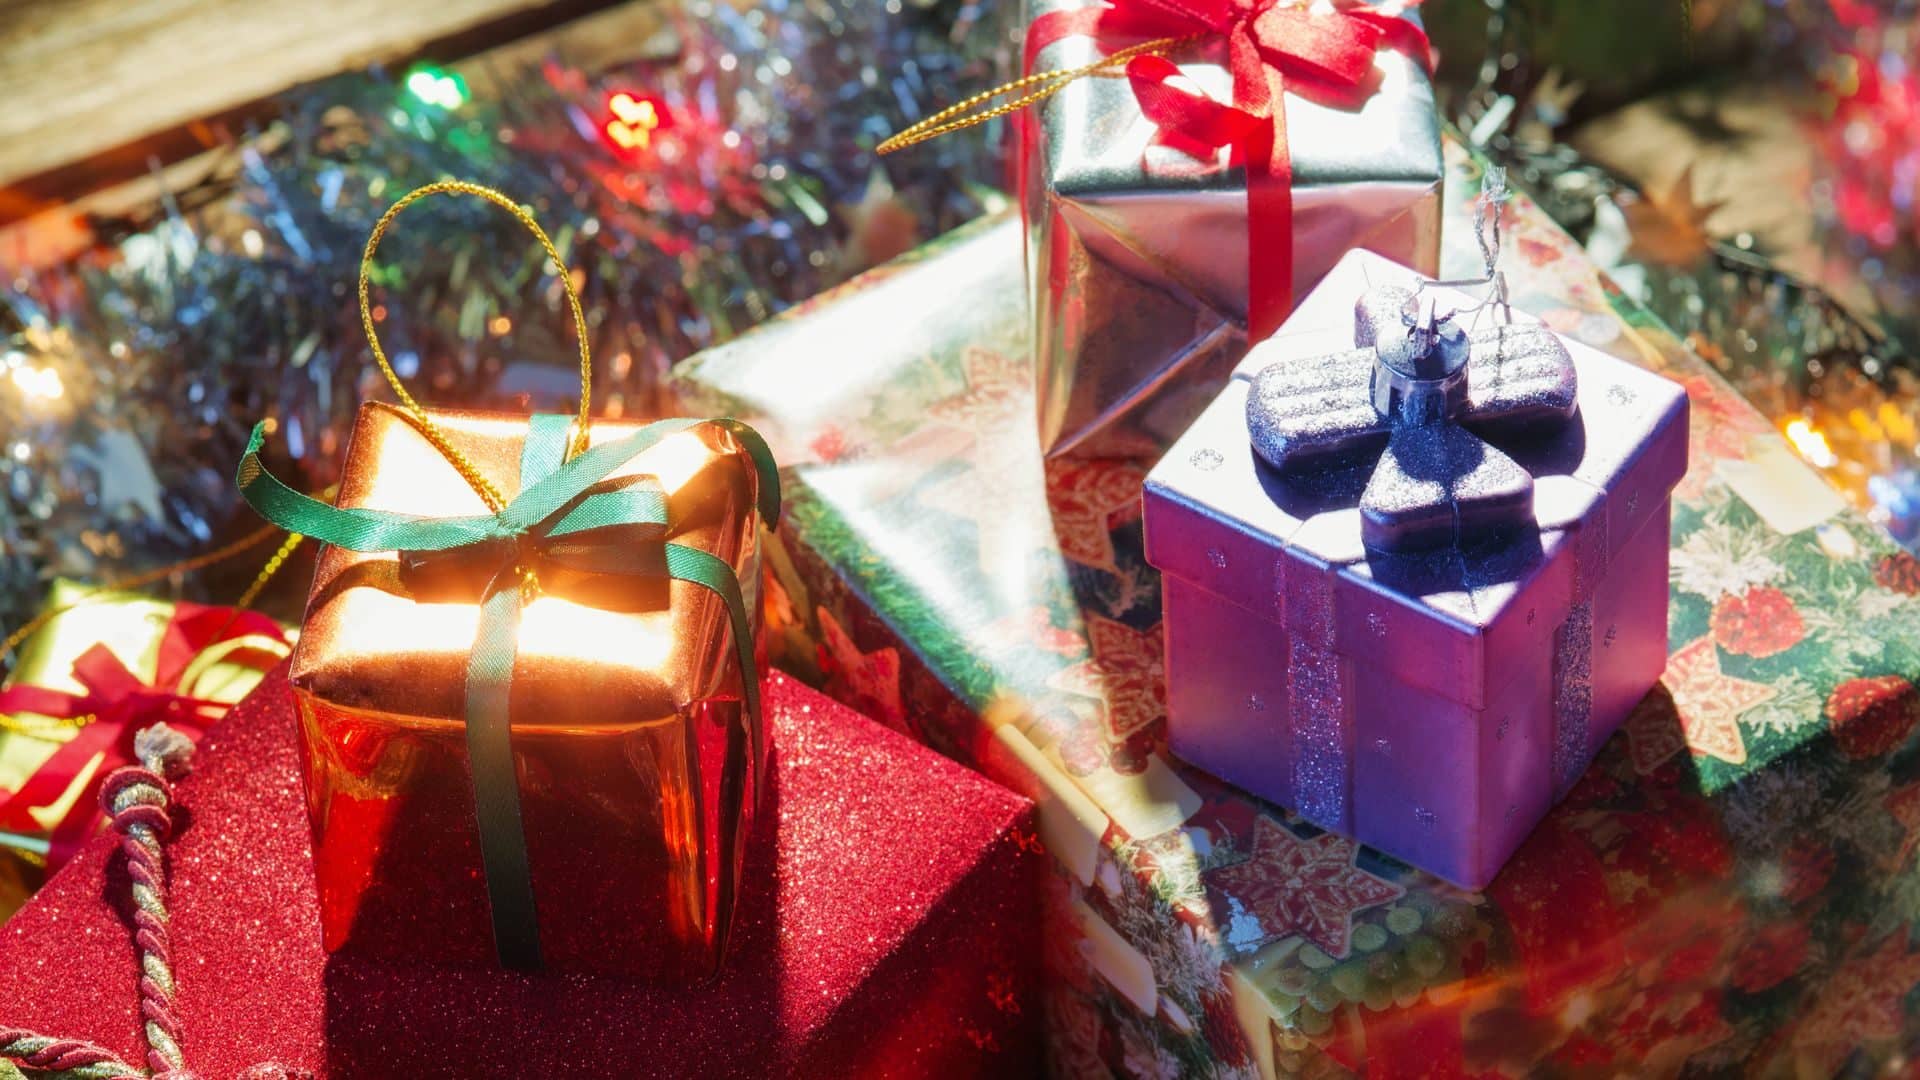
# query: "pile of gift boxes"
1417, 662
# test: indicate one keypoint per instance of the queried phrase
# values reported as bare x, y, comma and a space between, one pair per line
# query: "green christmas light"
438, 87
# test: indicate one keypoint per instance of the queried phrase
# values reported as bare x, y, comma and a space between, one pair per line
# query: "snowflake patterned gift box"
1414, 578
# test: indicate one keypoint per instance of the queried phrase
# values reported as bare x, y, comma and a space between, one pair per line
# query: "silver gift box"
1137, 252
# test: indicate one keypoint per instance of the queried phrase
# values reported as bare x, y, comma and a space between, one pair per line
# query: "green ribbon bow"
558, 518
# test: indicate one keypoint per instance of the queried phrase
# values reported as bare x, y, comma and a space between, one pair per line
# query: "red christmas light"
632, 120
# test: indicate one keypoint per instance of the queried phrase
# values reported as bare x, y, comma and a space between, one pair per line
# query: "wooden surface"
95, 91
41, 228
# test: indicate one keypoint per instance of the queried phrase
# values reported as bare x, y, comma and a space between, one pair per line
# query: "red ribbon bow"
1331, 50
121, 705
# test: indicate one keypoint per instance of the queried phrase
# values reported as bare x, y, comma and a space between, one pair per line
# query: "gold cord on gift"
468, 471
274, 563
969, 113
148, 577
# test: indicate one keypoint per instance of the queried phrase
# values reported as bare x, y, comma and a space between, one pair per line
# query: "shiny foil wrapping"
131, 626
1432, 702
633, 747
1137, 251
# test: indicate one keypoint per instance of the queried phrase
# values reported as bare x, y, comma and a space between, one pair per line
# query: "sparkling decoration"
1307, 887
750, 183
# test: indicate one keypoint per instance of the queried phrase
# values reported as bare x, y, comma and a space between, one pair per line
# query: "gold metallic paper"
631, 742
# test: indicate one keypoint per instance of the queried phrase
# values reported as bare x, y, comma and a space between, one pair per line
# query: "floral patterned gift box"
1731, 884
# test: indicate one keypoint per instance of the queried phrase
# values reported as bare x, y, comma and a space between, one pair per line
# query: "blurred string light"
741, 181
1810, 442
632, 120
437, 87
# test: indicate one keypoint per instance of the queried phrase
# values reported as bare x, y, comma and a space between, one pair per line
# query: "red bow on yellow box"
196, 643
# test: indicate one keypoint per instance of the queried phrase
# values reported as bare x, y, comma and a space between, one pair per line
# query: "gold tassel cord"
468, 471
969, 113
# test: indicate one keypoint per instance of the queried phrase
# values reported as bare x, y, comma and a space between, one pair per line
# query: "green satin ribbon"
559, 518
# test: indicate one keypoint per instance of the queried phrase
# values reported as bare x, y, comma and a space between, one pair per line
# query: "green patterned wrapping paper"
1732, 884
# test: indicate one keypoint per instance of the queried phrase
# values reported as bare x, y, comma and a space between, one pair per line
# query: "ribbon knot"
1327, 50
1424, 404
568, 517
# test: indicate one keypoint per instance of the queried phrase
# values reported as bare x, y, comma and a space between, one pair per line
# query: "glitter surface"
892, 933
1321, 771
1572, 696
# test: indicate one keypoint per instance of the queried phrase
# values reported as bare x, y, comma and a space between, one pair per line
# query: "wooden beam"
41, 235
97, 90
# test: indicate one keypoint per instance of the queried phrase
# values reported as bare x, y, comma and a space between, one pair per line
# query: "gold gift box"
638, 764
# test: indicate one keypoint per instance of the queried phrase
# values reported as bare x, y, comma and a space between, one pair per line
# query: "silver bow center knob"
1436, 410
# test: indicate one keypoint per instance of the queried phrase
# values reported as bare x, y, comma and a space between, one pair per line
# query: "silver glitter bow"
1427, 402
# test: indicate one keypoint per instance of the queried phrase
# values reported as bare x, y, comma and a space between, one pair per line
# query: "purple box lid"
1289, 547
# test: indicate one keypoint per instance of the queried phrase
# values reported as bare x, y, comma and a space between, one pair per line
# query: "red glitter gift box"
885, 930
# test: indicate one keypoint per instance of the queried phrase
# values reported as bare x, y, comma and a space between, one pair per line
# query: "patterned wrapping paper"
1732, 882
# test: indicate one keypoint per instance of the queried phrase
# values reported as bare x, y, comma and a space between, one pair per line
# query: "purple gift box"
1415, 566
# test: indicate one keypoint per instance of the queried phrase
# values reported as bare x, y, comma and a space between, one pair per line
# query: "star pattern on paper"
981, 429
1654, 733
1866, 999
1904, 804
1125, 672
870, 680
1307, 887
999, 388
1670, 227
1086, 497
1710, 701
